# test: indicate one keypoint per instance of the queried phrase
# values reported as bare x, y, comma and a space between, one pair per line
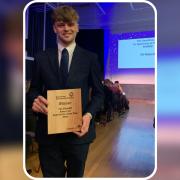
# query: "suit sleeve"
36, 83
97, 96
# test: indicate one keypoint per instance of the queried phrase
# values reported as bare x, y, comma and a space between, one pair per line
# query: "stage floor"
123, 148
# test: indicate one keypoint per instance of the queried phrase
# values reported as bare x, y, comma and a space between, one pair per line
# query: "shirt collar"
70, 48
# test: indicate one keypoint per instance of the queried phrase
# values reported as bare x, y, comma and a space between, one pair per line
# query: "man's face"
66, 32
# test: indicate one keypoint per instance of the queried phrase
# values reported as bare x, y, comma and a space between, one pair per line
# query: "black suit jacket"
84, 73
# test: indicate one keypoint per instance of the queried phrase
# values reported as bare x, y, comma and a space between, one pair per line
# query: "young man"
65, 154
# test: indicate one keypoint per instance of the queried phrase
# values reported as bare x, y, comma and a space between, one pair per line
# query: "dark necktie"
64, 66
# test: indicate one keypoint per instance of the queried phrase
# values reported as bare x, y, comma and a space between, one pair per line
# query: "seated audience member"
116, 98
121, 101
108, 99
107, 106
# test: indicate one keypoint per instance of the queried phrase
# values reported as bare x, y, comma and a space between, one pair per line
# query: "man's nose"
66, 27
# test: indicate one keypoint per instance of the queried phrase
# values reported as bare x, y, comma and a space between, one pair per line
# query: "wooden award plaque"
64, 110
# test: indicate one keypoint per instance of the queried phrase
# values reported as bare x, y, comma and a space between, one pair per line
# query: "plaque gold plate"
64, 110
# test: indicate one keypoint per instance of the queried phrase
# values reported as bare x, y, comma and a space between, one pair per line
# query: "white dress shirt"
70, 50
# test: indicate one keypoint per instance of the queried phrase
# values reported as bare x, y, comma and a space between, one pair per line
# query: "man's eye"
61, 25
71, 24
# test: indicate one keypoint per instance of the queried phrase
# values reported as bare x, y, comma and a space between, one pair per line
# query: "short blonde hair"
65, 14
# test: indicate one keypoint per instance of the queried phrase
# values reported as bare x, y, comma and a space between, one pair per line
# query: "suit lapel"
54, 63
53, 60
74, 62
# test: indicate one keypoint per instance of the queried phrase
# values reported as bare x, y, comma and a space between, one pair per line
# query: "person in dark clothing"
65, 154
108, 103
120, 100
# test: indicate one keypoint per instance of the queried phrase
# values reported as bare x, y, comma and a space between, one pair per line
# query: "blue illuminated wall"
111, 62
124, 23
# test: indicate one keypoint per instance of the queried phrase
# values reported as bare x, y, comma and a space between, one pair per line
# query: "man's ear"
54, 28
77, 28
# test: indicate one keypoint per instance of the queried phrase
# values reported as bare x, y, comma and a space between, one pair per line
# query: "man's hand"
40, 105
85, 126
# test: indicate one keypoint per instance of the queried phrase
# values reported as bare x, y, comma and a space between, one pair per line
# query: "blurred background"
168, 88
